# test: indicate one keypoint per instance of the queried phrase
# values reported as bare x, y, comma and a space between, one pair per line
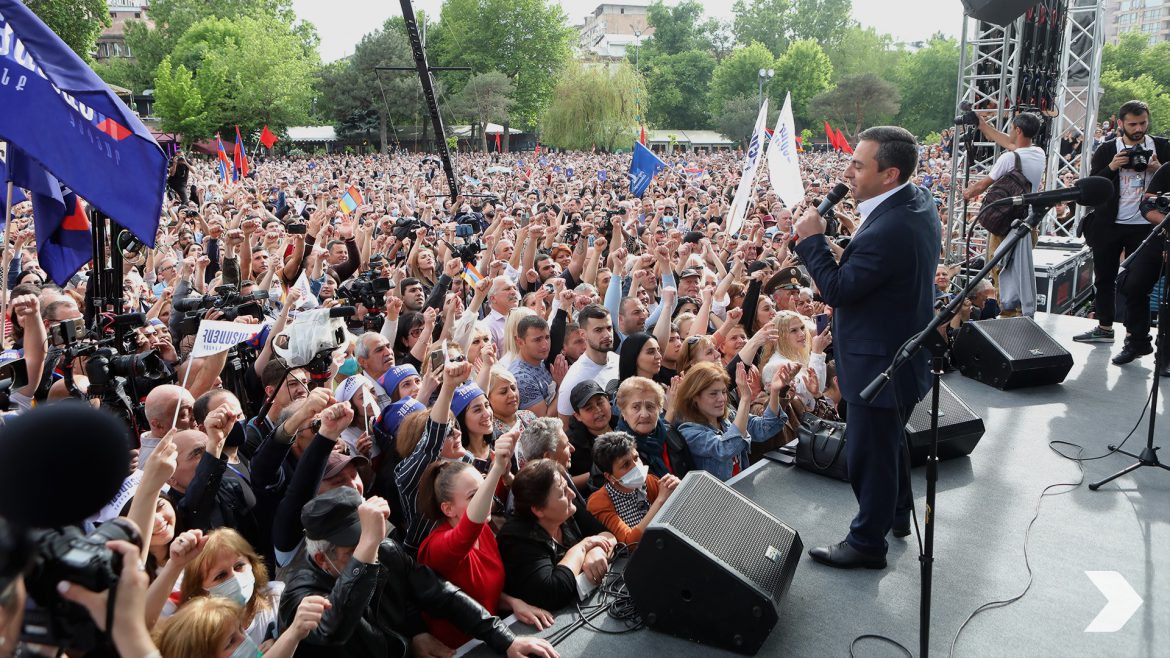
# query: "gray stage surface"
985, 503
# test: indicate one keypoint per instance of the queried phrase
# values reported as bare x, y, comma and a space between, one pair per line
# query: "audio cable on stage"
612, 597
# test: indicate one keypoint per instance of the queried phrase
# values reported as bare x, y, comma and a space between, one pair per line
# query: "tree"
805, 70
926, 79
762, 21
486, 98
526, 40
857, 102
593, 106
738, 75
180, 104
823, 21
677, 86
864, 50
78, 22
1118, 89
677, 28
360, 100
737, 117
721, 36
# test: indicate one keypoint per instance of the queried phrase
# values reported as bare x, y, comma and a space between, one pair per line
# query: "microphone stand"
968, 147
929, 338
1149, 454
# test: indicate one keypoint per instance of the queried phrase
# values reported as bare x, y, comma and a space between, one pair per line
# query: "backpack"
998, 219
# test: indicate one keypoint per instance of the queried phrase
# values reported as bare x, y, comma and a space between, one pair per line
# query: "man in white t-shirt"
1023, 129
599, 363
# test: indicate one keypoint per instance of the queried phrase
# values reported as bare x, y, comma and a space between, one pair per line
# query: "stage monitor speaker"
1010, 353
1000, 12
712, 567
959, 428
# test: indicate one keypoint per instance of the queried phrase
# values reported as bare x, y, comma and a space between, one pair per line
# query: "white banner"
783, 164
751, 164
308, 300
215, 336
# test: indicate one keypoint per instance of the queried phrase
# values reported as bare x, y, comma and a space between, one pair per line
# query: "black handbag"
820, 447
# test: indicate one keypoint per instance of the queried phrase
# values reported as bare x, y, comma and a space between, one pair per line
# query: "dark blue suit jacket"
882, 293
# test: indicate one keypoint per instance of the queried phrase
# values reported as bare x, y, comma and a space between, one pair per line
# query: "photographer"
1130, 162
1145, 270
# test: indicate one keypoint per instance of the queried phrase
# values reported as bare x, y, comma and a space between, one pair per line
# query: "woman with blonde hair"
511, 348
795, 343
719, 437
503, 396
227, 567
421, 265
213, 627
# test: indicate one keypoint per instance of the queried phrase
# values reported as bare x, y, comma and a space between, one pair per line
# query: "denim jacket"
716, 450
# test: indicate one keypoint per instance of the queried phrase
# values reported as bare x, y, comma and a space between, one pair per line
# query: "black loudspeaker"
1010, 353
959, 428
1000, 12
713, 566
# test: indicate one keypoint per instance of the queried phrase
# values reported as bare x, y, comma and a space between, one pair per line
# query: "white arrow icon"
1121, 601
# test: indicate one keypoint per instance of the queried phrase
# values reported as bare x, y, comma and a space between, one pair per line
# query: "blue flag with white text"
643, 168
62, 227
56, 110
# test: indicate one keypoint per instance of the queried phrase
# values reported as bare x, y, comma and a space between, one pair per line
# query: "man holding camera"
1130, 161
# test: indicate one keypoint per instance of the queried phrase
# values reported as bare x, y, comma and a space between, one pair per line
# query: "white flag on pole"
750, 165
783, 165
308, 300
215, 336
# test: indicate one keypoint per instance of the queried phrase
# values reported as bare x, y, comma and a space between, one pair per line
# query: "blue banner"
63, 116
17, 193
643, 168
62, 228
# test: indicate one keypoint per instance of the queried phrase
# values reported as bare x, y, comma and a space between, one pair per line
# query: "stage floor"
985, 503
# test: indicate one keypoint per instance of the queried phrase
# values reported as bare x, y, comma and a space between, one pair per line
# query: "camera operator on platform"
1130, 162
1144, 272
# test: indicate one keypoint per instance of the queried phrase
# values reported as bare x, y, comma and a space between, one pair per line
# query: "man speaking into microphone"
882, 293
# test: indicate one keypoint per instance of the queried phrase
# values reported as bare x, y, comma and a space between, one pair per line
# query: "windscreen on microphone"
1095, 190
342, 311
836, 194
60, 464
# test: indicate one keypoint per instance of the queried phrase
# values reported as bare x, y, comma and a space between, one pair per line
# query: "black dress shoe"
901, 529
1132, 351
844, 556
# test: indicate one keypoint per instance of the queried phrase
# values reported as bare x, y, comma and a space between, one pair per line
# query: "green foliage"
762, 21
677, 86
864, 50
180, 104
932, 138
823, 21
485, 98
858, 102
1132, 69
805, 70
738, 75
1119, 89
926, 79
777, 23
593, 106
737, 117
78, 22
526, 40
677, 29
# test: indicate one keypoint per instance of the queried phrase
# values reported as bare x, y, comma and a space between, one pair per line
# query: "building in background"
610, 29
112, 42
1151, 17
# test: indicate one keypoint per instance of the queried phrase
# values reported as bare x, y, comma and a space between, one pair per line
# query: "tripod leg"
1127, 470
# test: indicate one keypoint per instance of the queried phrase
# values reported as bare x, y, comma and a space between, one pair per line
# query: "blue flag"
64, 117
643, 168
62, 228
543, 161
602, 174
17, 193
568, 172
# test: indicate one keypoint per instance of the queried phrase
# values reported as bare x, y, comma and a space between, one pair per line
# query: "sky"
341, 23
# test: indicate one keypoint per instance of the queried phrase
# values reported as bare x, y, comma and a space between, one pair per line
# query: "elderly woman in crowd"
632, 495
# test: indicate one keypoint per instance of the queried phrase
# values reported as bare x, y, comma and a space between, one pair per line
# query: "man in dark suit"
882, 293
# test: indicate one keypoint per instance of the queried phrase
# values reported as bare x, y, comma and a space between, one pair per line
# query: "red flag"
843, 143
643, 138
830, 135
239, 157
267, 138
497, 142
537, 149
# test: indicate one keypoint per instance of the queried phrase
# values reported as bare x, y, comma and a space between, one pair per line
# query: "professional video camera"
69, 555
1158, 204
311, 341
968, 116
368, 289
226, 300
404, 227
468, 253
1139, 158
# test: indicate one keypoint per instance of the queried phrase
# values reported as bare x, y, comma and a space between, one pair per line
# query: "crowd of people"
527, 371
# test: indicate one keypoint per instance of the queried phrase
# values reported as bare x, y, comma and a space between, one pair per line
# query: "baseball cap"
464, 395
583, 392
333, 517
395, 376
337, 463
394, 414
688, 272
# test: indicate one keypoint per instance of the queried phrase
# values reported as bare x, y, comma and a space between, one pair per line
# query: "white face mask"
246, 649
635, 478
238, 588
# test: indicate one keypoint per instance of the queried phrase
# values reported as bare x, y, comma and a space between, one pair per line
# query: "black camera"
369, 290
67, 554
228, 301
404, 227
105, 365
967, 116
1159, 204
1139, 158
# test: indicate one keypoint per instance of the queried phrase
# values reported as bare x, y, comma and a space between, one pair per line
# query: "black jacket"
1107, 212
377, 608
215, 501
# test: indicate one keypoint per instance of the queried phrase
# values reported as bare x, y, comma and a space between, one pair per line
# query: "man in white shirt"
160, 412
599, 363
1024, 128
502, 298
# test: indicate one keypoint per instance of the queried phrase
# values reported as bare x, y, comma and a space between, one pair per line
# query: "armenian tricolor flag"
239, 157
471, 275
225, 165
350, 200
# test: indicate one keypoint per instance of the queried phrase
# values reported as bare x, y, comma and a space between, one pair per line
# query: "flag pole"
4, 262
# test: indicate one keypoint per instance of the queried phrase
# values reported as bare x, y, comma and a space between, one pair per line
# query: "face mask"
349, 367
235, 438
274, 294
635, 477
246, 649
238, 588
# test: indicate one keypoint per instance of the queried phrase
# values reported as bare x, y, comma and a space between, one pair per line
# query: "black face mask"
235, 438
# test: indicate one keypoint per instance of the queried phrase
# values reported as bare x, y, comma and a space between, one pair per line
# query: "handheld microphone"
832, 198
1091, 191
342, 311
